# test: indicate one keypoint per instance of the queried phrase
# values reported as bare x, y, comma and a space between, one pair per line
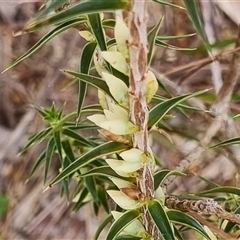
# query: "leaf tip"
19, 33
27, 180
5, 70
48, 187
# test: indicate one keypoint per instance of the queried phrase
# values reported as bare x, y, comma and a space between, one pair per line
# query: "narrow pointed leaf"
231, 225
227, 142
80, 201
160, 43
168, 4
160, 176
102, 196
97, 152
49, 36
95, 207
91, 186
66, 182
208, 182
109, 23
57, 139
97, 29
105, 171
94, 81
121, 223
83, 7
38, 163
159, 99
193, 13
50, 6
152, 35
128, 237
104, 223
227, 190
92, 108
49, 152
68, 150
85, 64
72, 134
165, 38
74, 126
159, 111
40, 136
178, 234
184, 219
161, 219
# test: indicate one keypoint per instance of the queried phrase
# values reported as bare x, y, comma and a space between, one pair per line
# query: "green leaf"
95, 207
49, 7
208, 182
186, 220
45, 39
98, 152
160, 43
97, 29
68, 150
231, 141
109, 23
102, 225
4, 203
105, 171
94, 81
80, 201
159, 99
128, 237
91, 186
169, 4
38, 163
72, 134
83, 7
159, 111
161, 220
151, 40
178, 234
165, 38
66, 182
75, 126
194, 15
57, 139
102, 196
160, 176
226, 190
92, 108
231, 225
49, 152
85, 64
38, 137
122, 223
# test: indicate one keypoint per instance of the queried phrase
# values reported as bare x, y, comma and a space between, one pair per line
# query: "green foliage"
161, 219
4, 203
100, 165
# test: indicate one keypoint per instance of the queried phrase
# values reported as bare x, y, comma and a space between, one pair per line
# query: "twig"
197, 65
205, 207
208, 18
220, 110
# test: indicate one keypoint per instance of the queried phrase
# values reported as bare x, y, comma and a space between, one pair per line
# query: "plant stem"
138, 49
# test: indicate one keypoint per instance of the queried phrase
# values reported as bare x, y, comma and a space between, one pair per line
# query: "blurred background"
28, 213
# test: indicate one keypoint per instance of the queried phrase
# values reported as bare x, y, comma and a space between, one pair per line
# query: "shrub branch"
138, 49
220, 111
